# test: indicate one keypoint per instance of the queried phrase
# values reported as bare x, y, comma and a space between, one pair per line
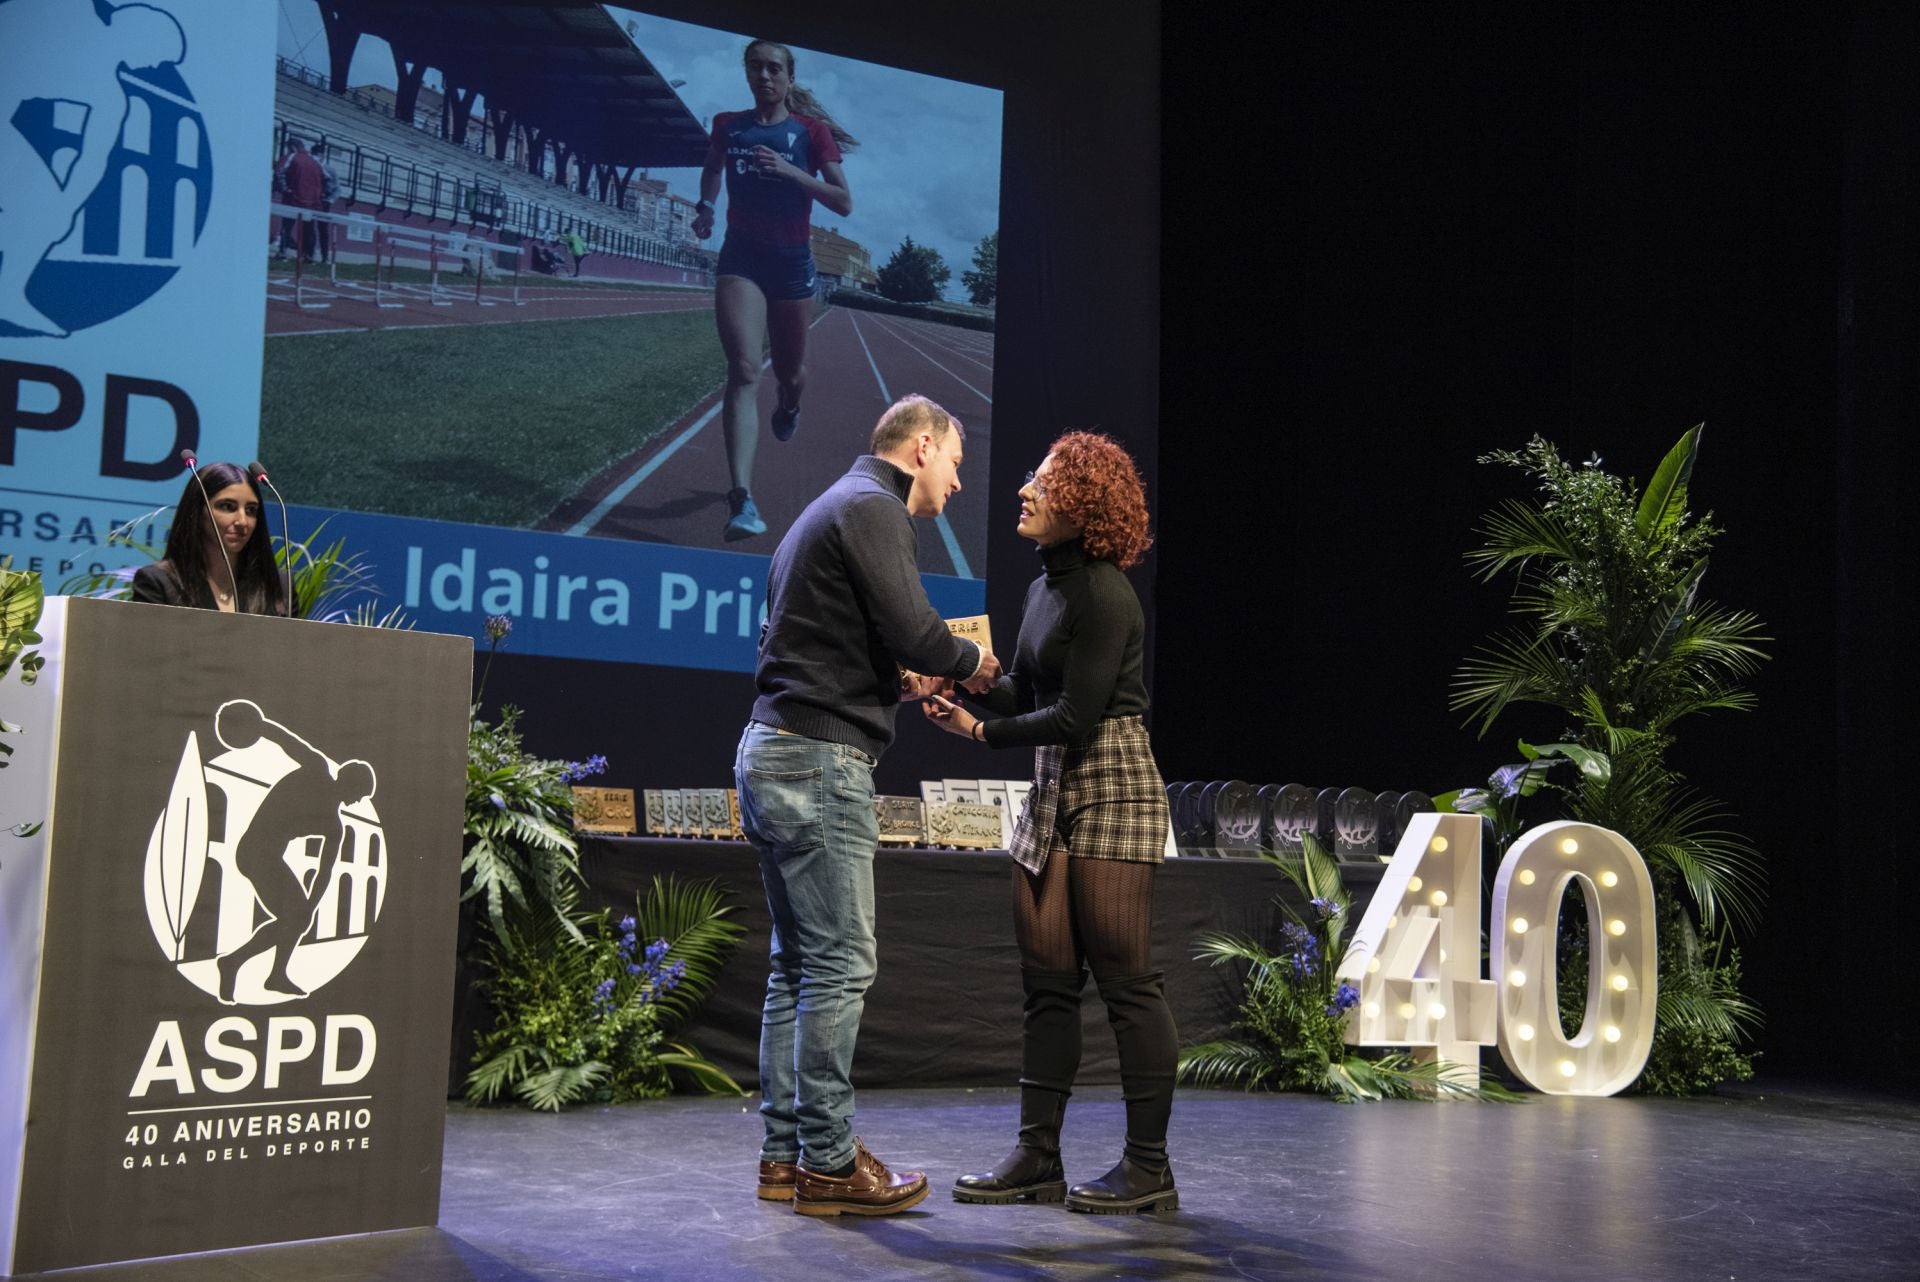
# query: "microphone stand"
193, 465
259, 473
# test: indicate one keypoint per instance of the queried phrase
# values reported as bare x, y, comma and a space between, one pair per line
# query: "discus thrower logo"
108, 175
286, 831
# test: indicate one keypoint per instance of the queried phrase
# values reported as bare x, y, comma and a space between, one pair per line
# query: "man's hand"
982, 681
915, 686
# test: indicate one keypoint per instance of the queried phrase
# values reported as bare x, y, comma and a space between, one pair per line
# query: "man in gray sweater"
845, 611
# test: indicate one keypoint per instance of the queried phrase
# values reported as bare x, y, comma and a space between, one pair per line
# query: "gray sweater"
845, 609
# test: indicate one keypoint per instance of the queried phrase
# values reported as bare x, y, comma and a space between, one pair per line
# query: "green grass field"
494, 424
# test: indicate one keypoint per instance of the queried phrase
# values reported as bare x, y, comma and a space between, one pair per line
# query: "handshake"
937, 695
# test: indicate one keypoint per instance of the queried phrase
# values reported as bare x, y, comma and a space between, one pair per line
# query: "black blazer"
157, 584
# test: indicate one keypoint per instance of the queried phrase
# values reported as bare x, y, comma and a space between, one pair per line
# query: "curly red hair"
1095, 484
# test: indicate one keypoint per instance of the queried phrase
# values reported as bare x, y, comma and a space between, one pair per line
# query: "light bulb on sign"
1569, 847
1566, 1068
1518, 978
1438, 899
1406, 1010
1436, 1010
1373, 965
1523, 1031
1609, 879
1616, 927
1414, 883
1619, 983
1526, 877
1519, 925
1439, 846
1370, 1010
1612, 1033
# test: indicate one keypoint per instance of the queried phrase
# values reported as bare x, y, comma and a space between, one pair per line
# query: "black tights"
1093, 911
1096, 912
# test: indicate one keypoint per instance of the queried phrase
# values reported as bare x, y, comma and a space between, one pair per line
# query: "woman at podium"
1089, 840
219, 556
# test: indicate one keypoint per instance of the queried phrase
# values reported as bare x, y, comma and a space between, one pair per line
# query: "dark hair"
802, 102
1095, 484
256, 587
906, 418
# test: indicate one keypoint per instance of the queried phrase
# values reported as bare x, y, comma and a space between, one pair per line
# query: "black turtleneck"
1078, 658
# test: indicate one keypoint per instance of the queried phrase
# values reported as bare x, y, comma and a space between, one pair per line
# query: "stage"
1759, 1184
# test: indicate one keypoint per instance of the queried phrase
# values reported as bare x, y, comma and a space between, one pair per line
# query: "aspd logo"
268, 867
108, 175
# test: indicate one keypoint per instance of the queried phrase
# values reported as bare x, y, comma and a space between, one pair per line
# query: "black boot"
1049, 1058
1143, 1032
1129, 1187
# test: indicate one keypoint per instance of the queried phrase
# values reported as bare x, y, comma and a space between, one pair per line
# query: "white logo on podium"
267, 868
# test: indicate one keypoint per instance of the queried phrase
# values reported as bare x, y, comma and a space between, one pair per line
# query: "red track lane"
683, 500
352, 307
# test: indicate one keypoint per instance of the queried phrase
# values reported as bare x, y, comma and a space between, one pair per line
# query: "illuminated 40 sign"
1415, 956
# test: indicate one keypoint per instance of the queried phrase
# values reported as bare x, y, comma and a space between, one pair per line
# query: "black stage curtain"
945, 1009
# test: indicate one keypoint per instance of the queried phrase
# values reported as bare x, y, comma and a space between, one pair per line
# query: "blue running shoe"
785, 423
744, 521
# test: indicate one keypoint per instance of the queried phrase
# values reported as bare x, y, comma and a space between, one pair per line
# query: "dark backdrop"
1381, 240
1397, 236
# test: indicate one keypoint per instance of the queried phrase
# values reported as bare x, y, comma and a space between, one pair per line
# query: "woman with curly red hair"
1092, 833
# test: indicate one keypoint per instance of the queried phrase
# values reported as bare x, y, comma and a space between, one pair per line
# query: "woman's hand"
771, 164
950, 716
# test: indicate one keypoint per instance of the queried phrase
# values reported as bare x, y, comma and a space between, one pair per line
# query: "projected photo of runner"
586, 271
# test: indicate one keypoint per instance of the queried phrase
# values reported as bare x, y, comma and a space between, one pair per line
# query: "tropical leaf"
1517, 532
1399, 1076
693, 918
1664, 502
1511, 669
560, 1085
708, 1076
1225, 1063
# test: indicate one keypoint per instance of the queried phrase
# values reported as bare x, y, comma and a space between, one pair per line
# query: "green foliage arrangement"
1616, 636
22, 598
584, 1006
521, 855
1293, 1018
587, 1013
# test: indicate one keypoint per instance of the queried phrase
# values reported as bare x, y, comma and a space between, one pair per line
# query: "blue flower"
1327, 908
633, 968
656, 950
627, 923
497, 627
499, 802
1344, 999
574, 771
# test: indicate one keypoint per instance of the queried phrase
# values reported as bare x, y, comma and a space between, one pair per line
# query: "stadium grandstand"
551, 117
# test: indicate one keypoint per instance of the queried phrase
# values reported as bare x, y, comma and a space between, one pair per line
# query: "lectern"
226, 955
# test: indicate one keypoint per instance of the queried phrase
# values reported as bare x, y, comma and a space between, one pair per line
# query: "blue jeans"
807, 806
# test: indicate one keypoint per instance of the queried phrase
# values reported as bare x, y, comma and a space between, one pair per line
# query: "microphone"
258, 471
193, 465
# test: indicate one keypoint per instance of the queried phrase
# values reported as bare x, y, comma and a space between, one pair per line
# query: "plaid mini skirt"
1103, 797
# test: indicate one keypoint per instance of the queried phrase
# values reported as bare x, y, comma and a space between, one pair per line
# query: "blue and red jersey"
760, 206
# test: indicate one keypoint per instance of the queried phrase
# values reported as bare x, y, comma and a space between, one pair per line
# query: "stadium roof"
564, 66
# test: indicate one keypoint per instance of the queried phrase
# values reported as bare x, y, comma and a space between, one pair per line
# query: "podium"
226, 956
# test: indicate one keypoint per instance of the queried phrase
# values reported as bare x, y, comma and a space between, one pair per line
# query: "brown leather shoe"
776, 1181
871, 1190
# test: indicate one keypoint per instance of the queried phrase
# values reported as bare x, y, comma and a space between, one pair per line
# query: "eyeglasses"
1039, 486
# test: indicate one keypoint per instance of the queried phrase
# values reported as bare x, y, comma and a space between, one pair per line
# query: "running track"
674, 489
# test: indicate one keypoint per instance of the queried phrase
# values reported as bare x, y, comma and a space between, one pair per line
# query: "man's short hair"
909, 416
